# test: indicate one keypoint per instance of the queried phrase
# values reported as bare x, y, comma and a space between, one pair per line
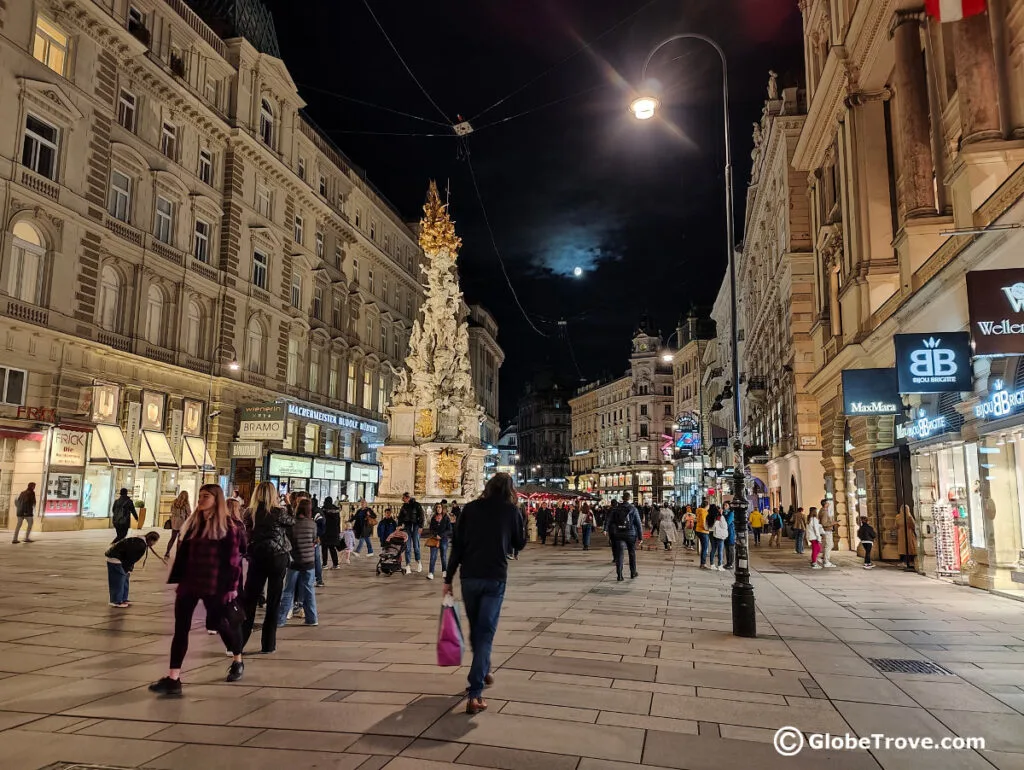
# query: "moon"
577, 271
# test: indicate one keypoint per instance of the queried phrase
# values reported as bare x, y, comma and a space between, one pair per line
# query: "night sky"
579, 183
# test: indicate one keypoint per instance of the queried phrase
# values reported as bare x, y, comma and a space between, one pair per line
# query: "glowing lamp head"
577, 271
666, 357
644, 107
234, 365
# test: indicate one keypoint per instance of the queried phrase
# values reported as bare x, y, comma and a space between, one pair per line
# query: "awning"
22, 434
194, 456
156, 451
108, 446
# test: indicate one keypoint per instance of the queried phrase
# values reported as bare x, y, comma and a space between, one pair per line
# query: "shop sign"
285, 465
68, 448
934, 363
105, 400
870, 392
37, 413
330, 469
192, 419
809, 441
334, 419
1001, 402
153, 410
264, 422
687, 422
364, 473
925, 426
62, 494
246, 450
995, 303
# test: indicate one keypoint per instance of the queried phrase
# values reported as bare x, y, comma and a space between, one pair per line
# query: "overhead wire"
372, 104
494, 242
568, 58
387, 133
408, 69
564, 327
539, 107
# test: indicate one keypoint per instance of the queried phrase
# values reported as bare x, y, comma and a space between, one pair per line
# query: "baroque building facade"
691, 431
179, 241
485, 360
543, 432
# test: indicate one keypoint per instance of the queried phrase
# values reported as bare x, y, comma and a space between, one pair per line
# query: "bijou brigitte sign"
995, 300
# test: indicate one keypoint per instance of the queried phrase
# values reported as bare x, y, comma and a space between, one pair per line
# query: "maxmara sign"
870, 392
995, 300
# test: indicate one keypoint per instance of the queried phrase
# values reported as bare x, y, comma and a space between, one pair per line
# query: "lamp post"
234, 366
644, 107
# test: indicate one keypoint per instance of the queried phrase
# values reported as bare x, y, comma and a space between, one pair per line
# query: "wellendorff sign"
995, 300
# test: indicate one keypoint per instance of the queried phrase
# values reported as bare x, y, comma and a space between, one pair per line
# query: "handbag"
449, 634
234, 612
432, 542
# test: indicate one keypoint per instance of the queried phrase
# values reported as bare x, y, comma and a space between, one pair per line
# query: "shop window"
39, 150
51, 45
12, 386
28, 258
108, 315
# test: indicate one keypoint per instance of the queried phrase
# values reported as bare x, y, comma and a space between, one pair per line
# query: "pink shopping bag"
449, 635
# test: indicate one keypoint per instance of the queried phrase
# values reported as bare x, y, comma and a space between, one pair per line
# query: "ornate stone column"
977, 83
912, 127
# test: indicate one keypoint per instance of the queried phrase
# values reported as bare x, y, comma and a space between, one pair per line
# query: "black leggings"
332, 550
269, 571
174, 536
867, 552
184, 608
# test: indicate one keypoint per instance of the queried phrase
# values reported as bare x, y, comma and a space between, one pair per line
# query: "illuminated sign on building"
1001, 402
934, 363
870, 392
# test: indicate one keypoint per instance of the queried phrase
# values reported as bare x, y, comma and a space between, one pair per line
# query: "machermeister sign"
995, 300
870, 392
934, 363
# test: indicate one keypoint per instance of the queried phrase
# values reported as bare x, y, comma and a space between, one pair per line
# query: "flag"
954, 10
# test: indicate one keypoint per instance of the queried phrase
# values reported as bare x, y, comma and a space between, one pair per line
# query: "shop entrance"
892, 487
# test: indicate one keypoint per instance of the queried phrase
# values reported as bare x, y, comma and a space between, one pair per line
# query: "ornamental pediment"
50, 99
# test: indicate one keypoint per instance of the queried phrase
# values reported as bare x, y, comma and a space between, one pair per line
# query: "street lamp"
744, 611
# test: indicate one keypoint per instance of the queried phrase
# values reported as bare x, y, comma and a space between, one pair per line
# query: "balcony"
40, 184
30, 313
198, 26
203, 269
161, 249
196, 364
156, 352
124, 230
114, 340
254, 378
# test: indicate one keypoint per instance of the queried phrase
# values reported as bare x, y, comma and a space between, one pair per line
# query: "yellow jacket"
755, 519
702, 516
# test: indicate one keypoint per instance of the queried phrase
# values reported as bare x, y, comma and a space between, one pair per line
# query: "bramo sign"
263, 422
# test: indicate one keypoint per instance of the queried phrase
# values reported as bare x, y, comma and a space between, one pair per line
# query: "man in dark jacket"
625, 529
487, 531
121, 515
25, 508
362, 528
561, 523
411, 518
122, 557
386, 526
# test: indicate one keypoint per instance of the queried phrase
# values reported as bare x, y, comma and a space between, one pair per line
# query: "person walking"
703, 535
828, 525
730, 541
386, 526
866, 535
302, 569
362, 528
667, 527
625, 529
486, 532
588, 523
719, 528
411, 519
544, 521
561, 524
774, 525
122, 557
332, 532
440, 535
689, 523
25, 509
906, 537
348, 538
121, 516
814, 533
798, 525
207, 568
268, 554
180, 511
757, 520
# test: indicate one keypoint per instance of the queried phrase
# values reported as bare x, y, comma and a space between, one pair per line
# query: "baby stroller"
390, 560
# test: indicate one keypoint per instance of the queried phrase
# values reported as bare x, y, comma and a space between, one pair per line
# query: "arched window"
254, 346
267, 122
155, 315
25, 279
109, 315
194, 329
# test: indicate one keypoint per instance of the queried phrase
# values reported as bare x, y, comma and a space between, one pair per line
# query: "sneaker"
29, 540
419, 568
444, 573
290, 613
867, 566
211, 632
229, 653
870, 566
314, 623
300, 613
166, 686
408, 570
430, 576
830, 565
321, 584
236, 671
815, 566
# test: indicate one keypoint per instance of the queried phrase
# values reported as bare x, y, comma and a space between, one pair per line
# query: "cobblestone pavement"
592, 674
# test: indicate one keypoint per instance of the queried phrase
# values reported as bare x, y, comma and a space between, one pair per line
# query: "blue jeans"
716, 551
301, 579
319, 569
117, 582
587, 530
798, 536
443, 548
483, 606
369, 545
412, 545
705, 546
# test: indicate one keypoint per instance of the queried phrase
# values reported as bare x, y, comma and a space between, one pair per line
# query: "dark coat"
303, 541
332, 525
270, 532
442, 528
411, 515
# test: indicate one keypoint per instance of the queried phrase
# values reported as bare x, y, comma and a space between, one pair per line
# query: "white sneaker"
419, 566
815, 566
830, 564
430, 576
289, 615
408, 569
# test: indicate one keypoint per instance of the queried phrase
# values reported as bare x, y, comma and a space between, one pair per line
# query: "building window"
154, 315
382, 393
126, 104
314, 371
643, 410
384, 288
263, 201
373, 230
210, 92
266, 123
336, 313
355, 271
120, 202
311, 436
387, 243
27, 262
169, 140
323, 185
350, 385
109, 304
644, 453
408, 305
332, 378
383, 338
302, 169
369, 280
260, 263
39, 152
369, 331
293, 361
296, 290
205, 167
50, 45
394, 345
194, 329
201, 241
12, 386
318, 240
299, 229
359, 218
367, 391
163, 224
254, 346
337, 256
318, 303
643, 430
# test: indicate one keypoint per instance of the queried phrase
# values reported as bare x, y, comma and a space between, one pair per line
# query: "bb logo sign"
933, 363
995, 300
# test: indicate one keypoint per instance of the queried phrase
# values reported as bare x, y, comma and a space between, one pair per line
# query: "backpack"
620, 526
721, 528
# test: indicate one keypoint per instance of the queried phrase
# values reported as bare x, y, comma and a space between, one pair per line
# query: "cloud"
565, 247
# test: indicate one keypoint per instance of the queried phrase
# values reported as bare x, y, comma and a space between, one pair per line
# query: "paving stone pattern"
591, 674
